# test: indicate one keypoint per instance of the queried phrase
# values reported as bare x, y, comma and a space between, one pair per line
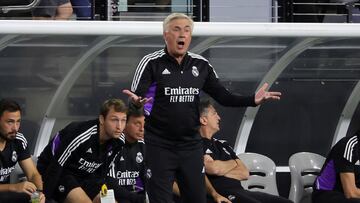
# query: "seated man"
74, 164
126, 175
338, 180
53, 10
223, 168
13, 149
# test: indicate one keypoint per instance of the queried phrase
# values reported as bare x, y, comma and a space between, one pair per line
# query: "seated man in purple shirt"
339, 177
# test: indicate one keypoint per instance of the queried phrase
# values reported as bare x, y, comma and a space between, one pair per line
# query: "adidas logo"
208, 151
166, 72
357, 163
89, 151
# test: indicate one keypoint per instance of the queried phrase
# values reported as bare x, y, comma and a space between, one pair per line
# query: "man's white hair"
175, 16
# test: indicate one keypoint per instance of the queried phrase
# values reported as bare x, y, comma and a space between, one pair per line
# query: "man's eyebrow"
186, 26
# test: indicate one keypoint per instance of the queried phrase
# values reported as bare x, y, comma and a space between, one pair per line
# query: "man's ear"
101, 119
203, 120
164, 36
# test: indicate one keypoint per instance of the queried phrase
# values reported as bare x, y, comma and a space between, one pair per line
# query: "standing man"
223, 168
127, 170
13, 149
339, 178
174, 78
75, 163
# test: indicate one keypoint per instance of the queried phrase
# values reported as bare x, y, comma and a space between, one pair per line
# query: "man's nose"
182, 33
15, 127
119, 125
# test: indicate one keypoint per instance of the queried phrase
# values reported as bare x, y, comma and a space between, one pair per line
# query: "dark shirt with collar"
128, 166
220, 150
14, 151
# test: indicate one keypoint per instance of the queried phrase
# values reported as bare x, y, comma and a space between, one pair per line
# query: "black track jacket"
172, 117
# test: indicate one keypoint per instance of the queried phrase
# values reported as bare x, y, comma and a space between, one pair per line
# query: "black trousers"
328, 196
238, 195
164, 166
91, 186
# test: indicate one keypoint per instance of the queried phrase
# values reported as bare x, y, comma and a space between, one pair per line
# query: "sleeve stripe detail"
22, 138
122, 137
76, 143
141, 67
197, 56
349, 148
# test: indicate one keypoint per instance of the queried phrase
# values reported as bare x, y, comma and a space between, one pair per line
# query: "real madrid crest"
195, 71
61, 188
139, 158
231, 197
14, 156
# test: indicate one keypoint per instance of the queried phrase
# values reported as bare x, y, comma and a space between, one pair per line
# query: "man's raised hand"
263, 95
136, 100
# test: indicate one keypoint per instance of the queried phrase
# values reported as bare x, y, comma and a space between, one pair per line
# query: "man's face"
178, 37
134, 129
9, 124
212, 119
114, 123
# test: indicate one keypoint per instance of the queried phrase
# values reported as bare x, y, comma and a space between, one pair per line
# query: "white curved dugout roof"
61, 71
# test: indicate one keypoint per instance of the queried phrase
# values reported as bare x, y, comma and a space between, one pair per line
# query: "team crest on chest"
14, 156
61, 188
195, 71
139, 158
231, 197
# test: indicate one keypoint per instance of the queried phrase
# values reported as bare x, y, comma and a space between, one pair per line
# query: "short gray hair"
204, 106
175, 16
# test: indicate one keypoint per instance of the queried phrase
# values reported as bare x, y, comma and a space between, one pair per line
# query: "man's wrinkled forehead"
180, 25
176, 22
